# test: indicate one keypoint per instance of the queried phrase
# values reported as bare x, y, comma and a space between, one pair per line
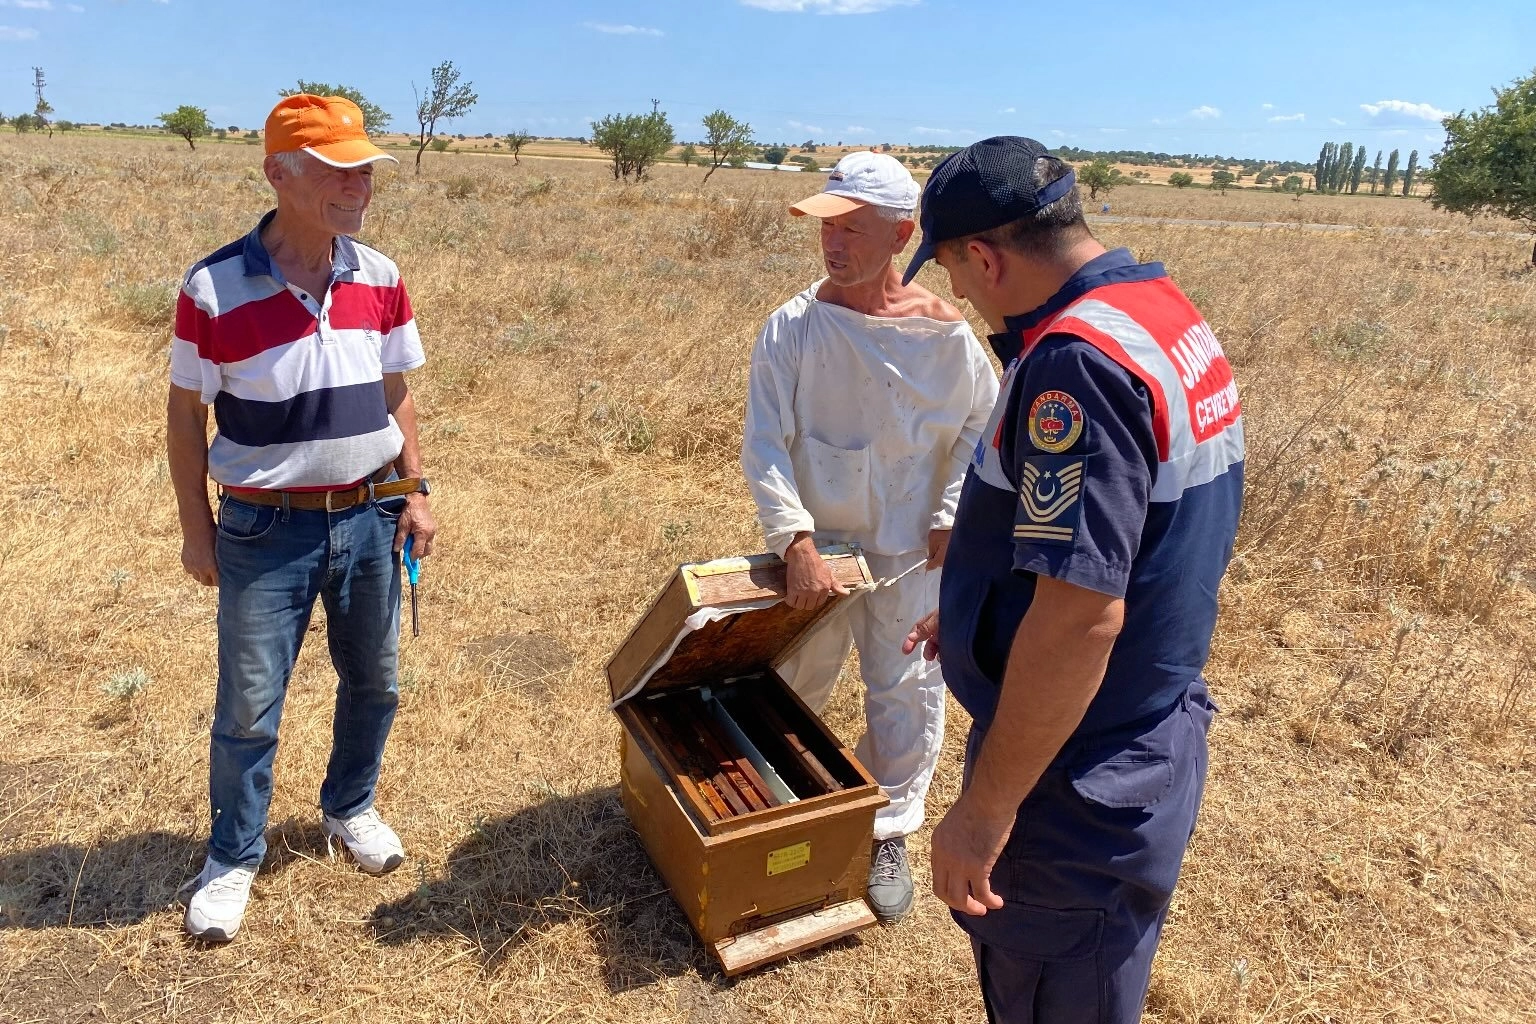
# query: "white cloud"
1266, 106
827, 6
16, 35
814, 128
1058, 133
1336, 121
1008, 110
1111, 131
857, 129
616, 30
933, 131
74, 8
1204, 113
30, 5
1287, 117
1401, 111
1158, 120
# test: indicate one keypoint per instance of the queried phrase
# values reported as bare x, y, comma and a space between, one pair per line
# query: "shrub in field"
127, 684
461, 187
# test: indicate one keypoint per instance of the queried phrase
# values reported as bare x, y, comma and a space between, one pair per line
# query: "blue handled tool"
412, 573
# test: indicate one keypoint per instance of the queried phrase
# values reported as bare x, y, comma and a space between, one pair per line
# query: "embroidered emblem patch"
1050, 505
1055, 422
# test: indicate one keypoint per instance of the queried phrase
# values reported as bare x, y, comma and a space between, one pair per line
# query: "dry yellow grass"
1367, 851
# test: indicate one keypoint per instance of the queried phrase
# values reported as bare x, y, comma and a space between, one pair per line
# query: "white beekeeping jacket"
860, 428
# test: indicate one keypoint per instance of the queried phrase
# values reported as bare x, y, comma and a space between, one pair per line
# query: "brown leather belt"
330, 501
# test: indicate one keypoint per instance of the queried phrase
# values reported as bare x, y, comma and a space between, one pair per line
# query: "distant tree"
220, 134
688, 154
375, 118
1376, 173
1413, 168
774, 155
1391, 177
1338, 179
808, 146
1489, 161
1320, 176
188, 122
234, 129
633, 141
444, 100
1181, 179
1099, 176
725, 138
440, 145
65, 126
1222, 180
515, 142
22, 123
1292, 184
1357, 170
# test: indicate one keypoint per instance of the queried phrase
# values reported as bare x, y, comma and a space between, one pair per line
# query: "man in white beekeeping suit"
865, 401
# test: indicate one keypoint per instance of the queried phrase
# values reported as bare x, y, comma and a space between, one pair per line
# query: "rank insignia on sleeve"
1055, 422
1050, 500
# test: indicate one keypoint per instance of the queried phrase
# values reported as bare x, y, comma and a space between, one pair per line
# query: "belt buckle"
328, 501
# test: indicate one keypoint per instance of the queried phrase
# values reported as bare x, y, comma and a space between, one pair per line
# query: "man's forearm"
1054, 669
403, 408
186, 437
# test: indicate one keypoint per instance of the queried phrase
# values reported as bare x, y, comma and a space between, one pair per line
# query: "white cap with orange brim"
862, 179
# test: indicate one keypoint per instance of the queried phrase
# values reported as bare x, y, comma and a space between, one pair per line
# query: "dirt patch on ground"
533, 663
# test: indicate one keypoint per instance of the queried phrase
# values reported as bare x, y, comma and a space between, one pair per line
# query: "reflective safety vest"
1142, 323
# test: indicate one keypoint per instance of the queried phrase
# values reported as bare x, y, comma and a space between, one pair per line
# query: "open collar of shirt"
258, 261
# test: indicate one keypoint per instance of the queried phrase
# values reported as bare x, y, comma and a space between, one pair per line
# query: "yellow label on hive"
789, 858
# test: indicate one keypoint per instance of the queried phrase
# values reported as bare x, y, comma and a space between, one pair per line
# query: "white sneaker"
217, 906
372, 843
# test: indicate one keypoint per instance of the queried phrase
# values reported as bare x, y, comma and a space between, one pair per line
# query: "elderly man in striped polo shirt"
299, 337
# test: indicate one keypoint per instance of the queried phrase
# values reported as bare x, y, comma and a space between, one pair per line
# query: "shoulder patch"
1050, 500
1055, 422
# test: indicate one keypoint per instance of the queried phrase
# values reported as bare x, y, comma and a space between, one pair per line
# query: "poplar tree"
1413, 167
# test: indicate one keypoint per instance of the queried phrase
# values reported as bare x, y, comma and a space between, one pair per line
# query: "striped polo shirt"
296, 381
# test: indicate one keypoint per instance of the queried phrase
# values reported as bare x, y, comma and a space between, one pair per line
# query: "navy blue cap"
983, 186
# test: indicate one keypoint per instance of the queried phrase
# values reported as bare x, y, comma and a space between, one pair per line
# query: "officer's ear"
988, 260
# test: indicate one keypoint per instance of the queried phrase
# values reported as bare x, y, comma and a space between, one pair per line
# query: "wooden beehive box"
767, 853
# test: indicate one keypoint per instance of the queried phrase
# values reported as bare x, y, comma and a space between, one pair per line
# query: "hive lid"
724, 619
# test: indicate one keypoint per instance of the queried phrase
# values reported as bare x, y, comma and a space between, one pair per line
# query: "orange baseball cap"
328, 128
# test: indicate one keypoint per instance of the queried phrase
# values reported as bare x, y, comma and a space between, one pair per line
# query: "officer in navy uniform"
1079, 591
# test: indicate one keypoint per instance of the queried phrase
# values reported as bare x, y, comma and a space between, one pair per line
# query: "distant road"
1287, 224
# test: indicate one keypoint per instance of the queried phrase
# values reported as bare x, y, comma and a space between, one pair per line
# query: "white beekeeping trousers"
903, 694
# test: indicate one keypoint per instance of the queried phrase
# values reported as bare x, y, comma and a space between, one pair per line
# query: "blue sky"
1264, 80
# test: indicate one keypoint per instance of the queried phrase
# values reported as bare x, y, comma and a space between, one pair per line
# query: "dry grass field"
1367, 851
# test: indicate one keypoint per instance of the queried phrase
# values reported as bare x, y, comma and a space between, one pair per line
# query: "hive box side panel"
674, 845
818, 860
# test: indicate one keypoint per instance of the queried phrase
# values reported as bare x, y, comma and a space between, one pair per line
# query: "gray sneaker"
890, 879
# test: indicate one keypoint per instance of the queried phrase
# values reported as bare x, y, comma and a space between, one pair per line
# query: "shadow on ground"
123, 881
572, 859
113, 883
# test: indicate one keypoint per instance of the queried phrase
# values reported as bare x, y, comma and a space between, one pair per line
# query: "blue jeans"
1088, 873
273, 563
